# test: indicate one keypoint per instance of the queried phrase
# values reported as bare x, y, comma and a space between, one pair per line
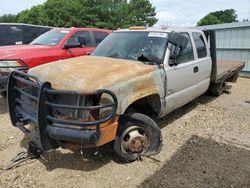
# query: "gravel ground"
206, 144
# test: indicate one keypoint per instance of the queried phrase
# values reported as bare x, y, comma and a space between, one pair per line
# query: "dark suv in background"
14, 33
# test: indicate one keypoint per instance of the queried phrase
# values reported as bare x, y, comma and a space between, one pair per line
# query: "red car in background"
53, 45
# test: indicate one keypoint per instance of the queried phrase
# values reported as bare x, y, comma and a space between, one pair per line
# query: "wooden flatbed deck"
226, 69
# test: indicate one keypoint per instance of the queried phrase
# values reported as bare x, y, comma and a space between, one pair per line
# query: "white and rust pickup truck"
133, 76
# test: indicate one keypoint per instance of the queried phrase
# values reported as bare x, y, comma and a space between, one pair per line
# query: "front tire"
137, 135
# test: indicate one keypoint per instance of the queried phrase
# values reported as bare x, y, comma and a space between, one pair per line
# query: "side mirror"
68, 46
180, 42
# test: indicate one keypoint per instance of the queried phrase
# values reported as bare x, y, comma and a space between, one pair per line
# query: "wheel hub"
134, 140
137, 144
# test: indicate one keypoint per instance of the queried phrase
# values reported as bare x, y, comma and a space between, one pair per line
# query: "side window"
99, 36
200, 45
188, 53
10, 34
31, 32
74, 39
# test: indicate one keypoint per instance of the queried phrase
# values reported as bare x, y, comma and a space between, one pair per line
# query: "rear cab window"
200, 45
99, 36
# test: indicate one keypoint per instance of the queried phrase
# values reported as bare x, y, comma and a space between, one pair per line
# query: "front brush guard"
30, 102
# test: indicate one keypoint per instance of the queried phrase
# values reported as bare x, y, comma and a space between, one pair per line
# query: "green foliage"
64, 13
142, 13
111, 14
8, 18
209, 19
218, 17
36, 15
226, 16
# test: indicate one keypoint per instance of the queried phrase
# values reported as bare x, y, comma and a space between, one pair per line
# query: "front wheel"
137, 135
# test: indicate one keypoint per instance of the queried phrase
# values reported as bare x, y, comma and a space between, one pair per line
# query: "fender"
128, 92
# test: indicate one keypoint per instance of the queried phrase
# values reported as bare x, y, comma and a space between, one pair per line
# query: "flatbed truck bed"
222, 70
227, 69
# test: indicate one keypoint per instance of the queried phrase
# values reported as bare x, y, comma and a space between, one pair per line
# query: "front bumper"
55, 123
3, 83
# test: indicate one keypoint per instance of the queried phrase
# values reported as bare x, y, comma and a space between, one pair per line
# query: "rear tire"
137, 135
217, 89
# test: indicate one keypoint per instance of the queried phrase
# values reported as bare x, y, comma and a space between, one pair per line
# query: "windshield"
148, 47
50, 38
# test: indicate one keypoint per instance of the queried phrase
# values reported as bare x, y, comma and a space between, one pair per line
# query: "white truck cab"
190, 77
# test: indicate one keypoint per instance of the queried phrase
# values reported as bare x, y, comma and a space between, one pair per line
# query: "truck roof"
153, 29
81, 29
23, 24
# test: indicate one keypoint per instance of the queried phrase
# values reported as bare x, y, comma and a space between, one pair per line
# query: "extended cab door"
87, 49
191, 76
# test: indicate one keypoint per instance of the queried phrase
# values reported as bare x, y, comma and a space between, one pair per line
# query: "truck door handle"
196, 69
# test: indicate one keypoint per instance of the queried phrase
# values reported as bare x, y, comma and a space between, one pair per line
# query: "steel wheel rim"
134, 140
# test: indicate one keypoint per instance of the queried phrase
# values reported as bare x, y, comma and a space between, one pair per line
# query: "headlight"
9, 66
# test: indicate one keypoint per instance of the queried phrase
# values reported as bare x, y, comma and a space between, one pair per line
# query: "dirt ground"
206, 144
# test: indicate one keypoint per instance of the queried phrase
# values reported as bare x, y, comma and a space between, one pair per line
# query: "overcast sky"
169, 12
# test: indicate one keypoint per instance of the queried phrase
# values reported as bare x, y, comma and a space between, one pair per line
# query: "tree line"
219, 17
111, 14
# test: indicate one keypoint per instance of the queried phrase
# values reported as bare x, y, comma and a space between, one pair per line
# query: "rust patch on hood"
129, 80
89, 73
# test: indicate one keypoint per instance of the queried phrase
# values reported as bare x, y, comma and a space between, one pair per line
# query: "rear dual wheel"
137, 135
217, 89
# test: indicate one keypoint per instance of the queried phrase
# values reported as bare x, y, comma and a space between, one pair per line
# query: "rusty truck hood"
89, 73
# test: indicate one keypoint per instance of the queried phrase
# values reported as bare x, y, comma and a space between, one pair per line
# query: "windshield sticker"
64, 31
19, 43
154, 34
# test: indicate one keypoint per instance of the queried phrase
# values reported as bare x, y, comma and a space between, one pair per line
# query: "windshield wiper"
36, 44
114, 55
